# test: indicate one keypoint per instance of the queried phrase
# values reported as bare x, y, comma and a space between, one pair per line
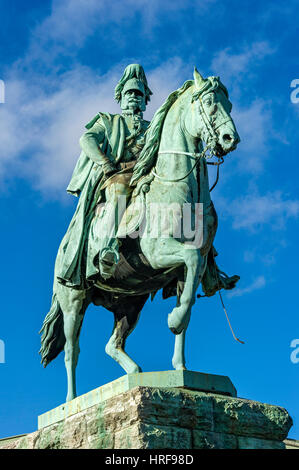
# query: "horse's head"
210, 118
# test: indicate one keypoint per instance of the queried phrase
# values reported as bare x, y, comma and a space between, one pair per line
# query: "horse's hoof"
70, 397
174, 330
179, 367
135, 370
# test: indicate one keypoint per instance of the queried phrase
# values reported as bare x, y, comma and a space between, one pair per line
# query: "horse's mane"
148, 154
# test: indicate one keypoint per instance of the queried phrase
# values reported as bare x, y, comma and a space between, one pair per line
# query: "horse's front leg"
163, 253
179, 318
178, 359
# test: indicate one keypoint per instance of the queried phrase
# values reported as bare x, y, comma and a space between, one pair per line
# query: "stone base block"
165, 417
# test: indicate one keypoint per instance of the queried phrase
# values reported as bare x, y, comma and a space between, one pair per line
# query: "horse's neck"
173, 138
176, 138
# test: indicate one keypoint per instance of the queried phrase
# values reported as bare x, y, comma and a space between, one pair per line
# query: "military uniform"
110, 148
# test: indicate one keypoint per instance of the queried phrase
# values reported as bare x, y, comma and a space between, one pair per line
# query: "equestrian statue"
139, 185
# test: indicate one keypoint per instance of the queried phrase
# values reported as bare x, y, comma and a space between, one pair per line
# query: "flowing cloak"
86, 182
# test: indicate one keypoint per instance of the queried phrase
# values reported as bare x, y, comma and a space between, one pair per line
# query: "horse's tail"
53, 339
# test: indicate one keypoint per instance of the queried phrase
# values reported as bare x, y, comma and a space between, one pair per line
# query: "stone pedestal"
161, 410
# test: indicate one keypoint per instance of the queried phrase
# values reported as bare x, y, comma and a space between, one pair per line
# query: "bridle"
212, 139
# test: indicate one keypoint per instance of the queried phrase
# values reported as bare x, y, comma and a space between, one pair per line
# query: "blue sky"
60, 61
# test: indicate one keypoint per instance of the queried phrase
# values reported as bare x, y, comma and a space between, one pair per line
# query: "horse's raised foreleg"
73, 306
126, 315
170, 253
179, 318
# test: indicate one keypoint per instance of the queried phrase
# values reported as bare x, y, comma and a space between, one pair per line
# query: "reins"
198, 156
180, 152
217, 175
222, 303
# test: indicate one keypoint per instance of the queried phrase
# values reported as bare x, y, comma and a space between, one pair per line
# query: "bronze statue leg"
163, 253
126, 316
179, 318
178, 359
117, 195
73, 307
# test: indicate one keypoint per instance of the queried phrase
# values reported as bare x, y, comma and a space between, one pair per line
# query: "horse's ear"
198, 79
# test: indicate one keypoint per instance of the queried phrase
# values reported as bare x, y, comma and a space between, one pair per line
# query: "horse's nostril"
227, 138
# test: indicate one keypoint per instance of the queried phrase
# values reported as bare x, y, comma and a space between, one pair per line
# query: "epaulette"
93, 121
98, 116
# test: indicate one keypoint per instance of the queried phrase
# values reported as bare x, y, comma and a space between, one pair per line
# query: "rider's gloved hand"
109, 168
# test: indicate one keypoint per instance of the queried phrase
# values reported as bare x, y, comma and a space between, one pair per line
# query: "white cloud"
45, 123
258, 283
174, 69
262, 252
45, 112
254, 211
71, 22
46, 126
236, 68
253, 124
253, 120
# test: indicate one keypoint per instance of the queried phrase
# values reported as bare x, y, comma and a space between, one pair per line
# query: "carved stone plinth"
133, 412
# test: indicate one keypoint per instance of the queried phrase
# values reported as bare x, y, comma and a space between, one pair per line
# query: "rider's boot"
108, 260
116, 197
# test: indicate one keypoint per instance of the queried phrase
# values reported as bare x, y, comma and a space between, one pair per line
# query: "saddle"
134, 275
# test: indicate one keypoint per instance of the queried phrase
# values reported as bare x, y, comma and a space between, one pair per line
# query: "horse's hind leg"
73, 306
72, 325
126, 315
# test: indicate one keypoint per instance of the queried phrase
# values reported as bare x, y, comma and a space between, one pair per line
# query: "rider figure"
133, 94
